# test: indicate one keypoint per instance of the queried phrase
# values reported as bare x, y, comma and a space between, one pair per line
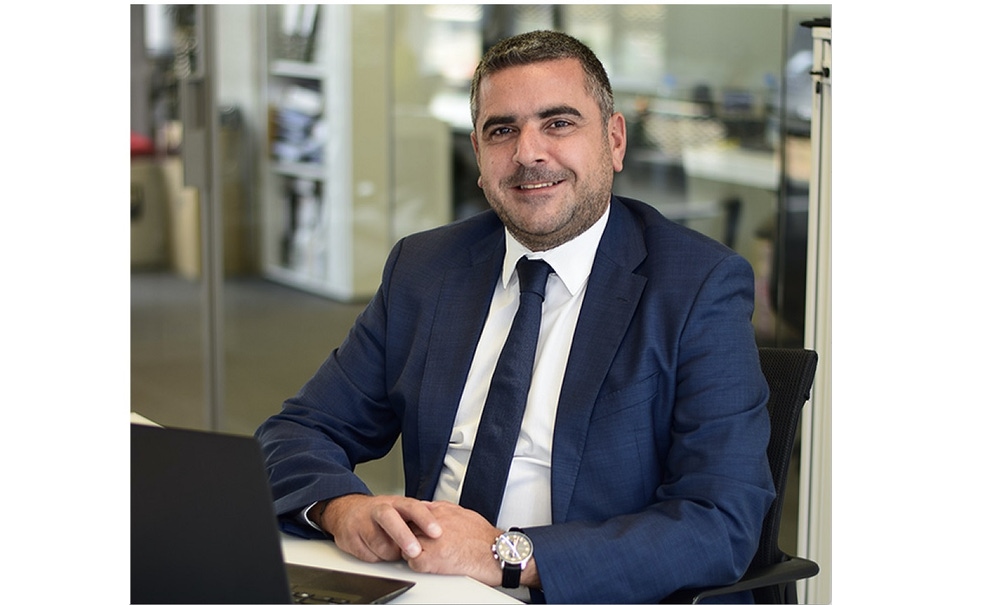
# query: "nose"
530, 148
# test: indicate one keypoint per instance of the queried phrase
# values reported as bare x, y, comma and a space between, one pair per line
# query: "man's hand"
379, 528
463, 547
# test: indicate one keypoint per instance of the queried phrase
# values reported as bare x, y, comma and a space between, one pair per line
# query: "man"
640, 464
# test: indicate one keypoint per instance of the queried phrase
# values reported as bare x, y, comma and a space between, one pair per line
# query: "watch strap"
512, 574
512, 577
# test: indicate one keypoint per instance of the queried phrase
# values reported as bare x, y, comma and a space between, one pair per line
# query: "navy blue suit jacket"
659, 471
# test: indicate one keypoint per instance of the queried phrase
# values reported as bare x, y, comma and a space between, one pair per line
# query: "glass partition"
169, 333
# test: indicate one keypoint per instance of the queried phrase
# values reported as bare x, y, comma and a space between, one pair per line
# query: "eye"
500, 131
560, 126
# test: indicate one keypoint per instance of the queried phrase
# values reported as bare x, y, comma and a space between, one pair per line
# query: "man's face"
546, 161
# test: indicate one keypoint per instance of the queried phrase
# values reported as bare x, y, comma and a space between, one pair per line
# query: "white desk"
719, 171
428, 588
727, 164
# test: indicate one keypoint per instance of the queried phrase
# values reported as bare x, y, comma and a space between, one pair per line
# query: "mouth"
534, 186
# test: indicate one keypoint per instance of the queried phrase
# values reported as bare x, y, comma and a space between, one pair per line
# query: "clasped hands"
432, 537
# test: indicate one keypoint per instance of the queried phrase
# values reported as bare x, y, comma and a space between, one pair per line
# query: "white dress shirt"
527, 496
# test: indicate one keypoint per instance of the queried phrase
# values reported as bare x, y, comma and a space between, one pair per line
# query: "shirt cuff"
303, 518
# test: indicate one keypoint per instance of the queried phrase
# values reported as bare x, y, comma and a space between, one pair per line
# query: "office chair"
772, 573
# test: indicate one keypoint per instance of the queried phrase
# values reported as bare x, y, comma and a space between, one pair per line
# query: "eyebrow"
558, 110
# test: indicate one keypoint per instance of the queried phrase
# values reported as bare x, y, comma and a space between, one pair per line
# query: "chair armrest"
790, 570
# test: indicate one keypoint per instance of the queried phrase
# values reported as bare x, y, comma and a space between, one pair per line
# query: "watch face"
514, 547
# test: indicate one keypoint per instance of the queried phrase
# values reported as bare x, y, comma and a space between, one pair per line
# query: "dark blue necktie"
501, 421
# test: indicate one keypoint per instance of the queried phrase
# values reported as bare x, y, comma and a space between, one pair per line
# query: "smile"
538, 185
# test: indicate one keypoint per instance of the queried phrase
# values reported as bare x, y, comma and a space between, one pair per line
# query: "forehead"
523, 89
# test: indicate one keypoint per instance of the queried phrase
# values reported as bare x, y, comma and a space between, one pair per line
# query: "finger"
422, 516
396, 527
380, 547
367, 544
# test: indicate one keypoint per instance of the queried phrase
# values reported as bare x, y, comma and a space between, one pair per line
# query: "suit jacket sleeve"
711, 484
340, 418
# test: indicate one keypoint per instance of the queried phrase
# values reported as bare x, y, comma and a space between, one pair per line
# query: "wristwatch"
513, 549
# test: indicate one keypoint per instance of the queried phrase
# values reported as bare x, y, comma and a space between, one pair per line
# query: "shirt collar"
572, 261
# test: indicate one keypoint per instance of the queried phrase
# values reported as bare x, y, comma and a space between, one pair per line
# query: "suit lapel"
613, 292
462, 307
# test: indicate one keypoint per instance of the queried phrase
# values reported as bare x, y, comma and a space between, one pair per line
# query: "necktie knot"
532, 275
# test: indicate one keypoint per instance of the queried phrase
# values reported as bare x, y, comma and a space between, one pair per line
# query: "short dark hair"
539, 46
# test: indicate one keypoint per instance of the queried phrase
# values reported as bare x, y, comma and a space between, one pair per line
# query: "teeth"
538, 186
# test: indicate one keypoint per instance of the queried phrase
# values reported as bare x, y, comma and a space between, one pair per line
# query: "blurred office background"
278, 152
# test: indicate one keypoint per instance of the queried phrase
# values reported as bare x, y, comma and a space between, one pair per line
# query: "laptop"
203, 528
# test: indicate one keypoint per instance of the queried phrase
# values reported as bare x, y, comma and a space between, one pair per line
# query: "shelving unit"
325, 220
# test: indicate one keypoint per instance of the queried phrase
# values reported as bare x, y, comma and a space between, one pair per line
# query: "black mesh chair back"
789, 373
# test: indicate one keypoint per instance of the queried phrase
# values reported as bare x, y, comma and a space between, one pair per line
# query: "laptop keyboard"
310, 597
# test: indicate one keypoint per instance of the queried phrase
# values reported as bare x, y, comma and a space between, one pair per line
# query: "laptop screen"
203, 529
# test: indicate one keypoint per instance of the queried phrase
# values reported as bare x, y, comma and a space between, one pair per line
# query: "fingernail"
434, 530
413, 550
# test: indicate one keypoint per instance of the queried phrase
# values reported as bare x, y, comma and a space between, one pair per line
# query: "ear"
616, 139
473, 141
476, 156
